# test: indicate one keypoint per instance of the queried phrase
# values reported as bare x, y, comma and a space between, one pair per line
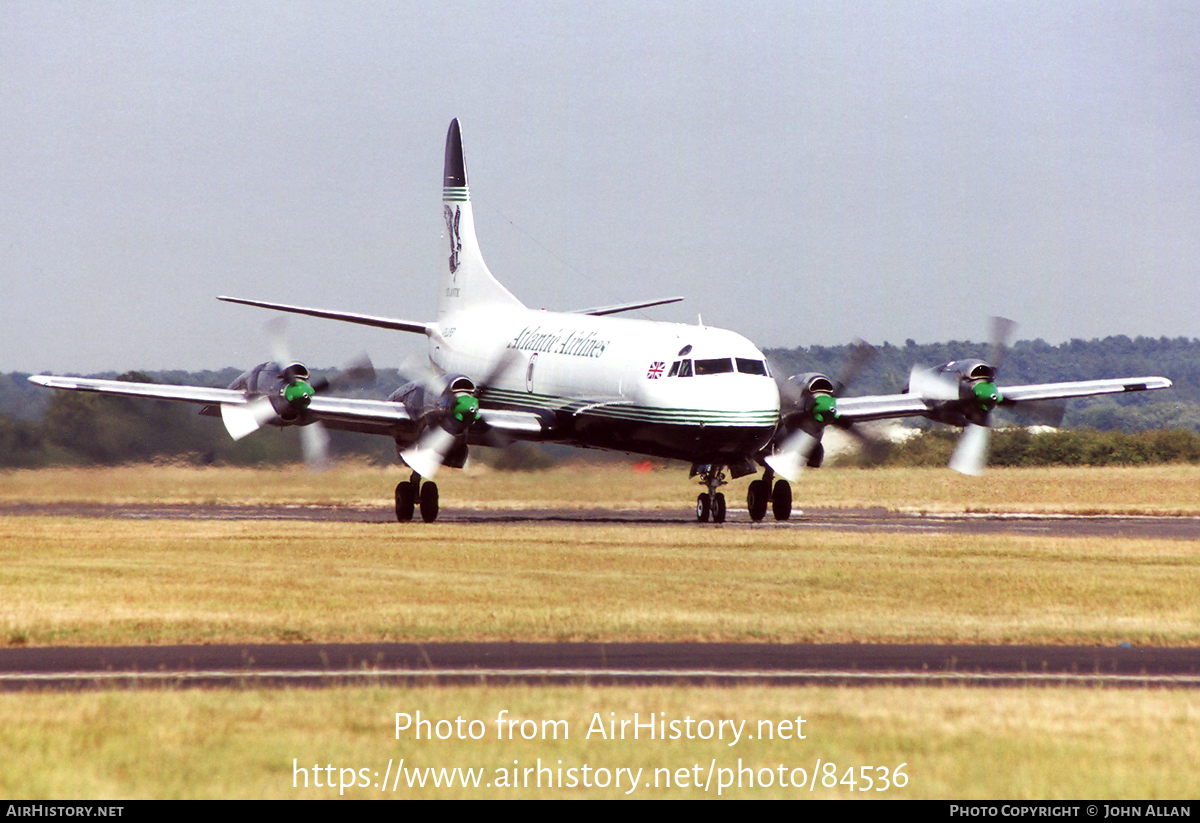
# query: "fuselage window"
674, 369
685, 368
719, 365
747, 366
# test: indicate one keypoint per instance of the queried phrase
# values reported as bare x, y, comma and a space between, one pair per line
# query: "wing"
1083, 388
392, 419
370, 416
882, 407
345, 413
157, 391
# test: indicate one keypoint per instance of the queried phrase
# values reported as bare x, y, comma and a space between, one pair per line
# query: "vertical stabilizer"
466, 282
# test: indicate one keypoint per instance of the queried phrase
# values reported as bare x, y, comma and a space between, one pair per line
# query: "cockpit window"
674, 369
719, 365
747, 366
685, 368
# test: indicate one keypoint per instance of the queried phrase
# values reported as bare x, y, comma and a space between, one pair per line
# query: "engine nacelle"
977, 392
969, 371
808, 402
286, 385
422, 403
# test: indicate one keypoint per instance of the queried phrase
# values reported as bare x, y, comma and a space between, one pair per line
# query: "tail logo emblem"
452, 218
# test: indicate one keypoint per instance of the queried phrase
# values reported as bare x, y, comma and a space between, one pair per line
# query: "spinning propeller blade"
793, 455
241, 420
1002, 331
931, 384
314, 446
971, 453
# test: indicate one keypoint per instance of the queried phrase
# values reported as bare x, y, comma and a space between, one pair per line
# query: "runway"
862, 520
323, 665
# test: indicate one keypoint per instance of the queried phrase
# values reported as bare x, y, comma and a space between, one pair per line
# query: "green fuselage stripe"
646, 414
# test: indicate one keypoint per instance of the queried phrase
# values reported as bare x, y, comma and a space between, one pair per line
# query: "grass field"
1151, 490
1052, 743
66, 581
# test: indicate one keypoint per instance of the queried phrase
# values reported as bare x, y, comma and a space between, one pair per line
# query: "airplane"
501, 372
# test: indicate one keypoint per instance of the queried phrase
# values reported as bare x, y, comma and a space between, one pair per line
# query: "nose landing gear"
712, 503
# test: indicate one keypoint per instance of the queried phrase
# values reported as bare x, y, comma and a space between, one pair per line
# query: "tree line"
41, 427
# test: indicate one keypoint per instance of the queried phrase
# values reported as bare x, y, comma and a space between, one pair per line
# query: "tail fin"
466, 282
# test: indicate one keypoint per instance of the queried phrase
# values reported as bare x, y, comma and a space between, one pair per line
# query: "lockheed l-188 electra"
501, 372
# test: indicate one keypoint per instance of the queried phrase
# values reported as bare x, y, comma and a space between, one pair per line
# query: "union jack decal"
656, 370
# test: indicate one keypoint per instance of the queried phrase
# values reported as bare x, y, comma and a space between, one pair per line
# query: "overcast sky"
802, 172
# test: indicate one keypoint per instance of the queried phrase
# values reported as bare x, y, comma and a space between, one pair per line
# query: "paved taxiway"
597, 663
865, 520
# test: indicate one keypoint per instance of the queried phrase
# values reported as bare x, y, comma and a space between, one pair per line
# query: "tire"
429, 502
781, 500
702, 509
757, 500
405, 500
718, 508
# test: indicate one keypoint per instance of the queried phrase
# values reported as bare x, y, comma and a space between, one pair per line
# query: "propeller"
931, 384
294, 397
1002, 331
808, 405
245, 419
1041, 412
964, 394
454, 415
793, 455
971, 453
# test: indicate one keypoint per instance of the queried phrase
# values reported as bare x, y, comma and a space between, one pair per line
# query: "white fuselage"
619, 382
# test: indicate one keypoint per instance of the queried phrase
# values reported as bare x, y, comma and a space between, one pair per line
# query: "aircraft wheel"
781, 500
757, 500
405, 500
718, 508
702, 508
429, 502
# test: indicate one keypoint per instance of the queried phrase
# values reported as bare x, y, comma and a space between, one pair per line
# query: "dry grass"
1061, 743
1150, 490
72, 581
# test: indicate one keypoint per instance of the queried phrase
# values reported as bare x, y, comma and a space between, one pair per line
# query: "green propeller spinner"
986, 395
298, 394
465, 409
824, 408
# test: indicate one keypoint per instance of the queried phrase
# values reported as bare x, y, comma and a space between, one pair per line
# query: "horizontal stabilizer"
620, 307
348, 317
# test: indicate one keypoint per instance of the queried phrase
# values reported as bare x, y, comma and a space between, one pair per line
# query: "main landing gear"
761, 494
413, 493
